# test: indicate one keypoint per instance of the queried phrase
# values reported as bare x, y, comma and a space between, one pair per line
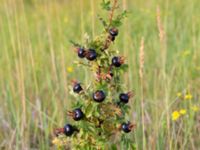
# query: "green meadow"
37, 66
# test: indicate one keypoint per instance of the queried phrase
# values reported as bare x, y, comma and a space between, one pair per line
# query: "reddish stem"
59, 131
112, 11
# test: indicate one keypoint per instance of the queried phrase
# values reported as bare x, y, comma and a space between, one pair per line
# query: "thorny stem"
112, 11
107, 44
98, 73
103, 76
108, 40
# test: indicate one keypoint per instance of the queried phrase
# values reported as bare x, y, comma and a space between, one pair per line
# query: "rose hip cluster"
89, 54
98, 96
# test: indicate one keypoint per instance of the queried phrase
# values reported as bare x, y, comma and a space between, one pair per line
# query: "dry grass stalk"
141, 67
163, 47
141, 58
162, 37
160, 27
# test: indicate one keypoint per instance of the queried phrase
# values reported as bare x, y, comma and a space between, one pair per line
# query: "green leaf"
114, 147
102, 86
118, 20
89, 110
74, 43
97, 112
105, 5
77, 104
124, 67
133, 146
116, 23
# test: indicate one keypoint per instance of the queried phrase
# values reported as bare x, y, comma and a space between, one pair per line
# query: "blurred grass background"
35, 53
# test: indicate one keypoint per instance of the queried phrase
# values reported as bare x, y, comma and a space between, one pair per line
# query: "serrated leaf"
105, 5
118, 20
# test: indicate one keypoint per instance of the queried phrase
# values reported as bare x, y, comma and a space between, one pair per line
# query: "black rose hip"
126, 127
77, 88
78, 114
91, 54
99, 96
117, 61
81, 52
68, 130
124, 98
113, 32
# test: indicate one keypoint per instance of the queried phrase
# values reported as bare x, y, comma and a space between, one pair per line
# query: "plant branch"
112, 12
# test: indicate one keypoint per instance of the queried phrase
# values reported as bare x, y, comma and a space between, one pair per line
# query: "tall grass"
35, 52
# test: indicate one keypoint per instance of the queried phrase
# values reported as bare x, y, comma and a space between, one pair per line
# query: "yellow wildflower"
182, 111
179, 94
175, 115
195, 108
188, 96
70, 69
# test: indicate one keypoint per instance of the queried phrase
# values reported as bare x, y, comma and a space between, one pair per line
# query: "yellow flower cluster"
184, 96
187, 96
176, 114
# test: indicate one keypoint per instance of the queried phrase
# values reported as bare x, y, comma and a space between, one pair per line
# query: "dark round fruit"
116, 61
77, 88
99, 96
78, 114
124, 97
113, 32
125, 127
68, 130
91, 55
81, 52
